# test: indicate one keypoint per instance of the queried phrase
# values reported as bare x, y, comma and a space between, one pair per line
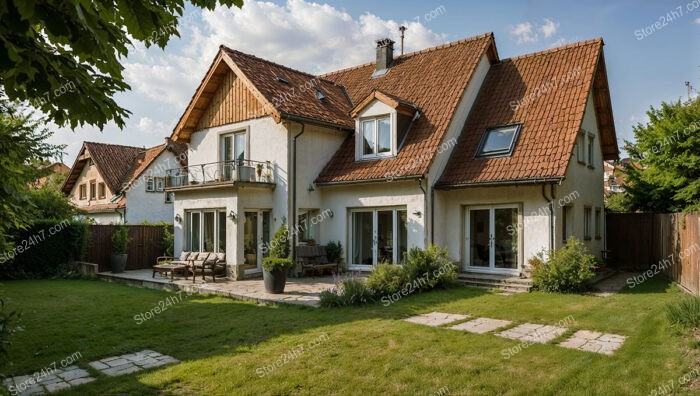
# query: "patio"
301, 291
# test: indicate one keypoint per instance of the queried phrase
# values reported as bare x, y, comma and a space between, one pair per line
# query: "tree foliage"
63, 56
618, 202
22, 143
668, 150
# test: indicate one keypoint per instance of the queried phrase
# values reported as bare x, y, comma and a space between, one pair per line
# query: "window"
587, 222
93, 190
567, 222
378, 235
83, 191
308, 224
101, 191
205, 231
581, 147
160, 184
598, 223
498, 142
169, 197
232, 147
591, 151
376, 137
150, 184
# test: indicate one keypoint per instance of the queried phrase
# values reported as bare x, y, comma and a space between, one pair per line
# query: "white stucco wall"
587, 185
150, 206
105, 217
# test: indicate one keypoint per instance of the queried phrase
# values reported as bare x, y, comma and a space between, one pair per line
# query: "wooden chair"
313, 258
215, 265
197, 263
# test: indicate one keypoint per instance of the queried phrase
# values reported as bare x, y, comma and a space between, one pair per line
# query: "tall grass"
685, 312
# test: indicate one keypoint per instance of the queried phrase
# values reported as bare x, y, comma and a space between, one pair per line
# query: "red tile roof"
434, 80
547, 92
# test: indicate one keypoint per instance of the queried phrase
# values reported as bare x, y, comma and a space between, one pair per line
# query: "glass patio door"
232, 153
256, 235
377, 236
491, 245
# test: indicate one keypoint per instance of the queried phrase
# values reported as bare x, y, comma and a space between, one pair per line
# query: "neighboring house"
495, 159
614, 176
123, 184
57, 169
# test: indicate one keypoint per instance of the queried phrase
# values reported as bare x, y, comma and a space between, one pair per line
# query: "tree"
668, 150
618, 202
22, 143
63, 56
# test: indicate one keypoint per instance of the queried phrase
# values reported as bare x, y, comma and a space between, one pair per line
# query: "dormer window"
498, 142
376, 137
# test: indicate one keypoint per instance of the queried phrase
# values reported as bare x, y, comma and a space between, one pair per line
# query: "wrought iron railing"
221, 172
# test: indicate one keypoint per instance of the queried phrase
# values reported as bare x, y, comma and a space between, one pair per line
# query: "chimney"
385, 56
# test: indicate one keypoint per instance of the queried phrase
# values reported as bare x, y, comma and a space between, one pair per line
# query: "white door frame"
375, 227
491, 269
259, 238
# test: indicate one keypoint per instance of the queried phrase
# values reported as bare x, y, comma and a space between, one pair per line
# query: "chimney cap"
385, 42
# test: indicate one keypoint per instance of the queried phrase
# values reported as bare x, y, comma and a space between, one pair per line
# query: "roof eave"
498, 183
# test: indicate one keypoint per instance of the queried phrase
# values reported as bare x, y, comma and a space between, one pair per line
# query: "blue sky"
323, 36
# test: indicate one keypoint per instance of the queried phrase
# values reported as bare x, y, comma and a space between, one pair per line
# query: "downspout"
293, 180
425, 202
432, 215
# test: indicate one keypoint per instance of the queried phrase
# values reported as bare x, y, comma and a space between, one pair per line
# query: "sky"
651, 49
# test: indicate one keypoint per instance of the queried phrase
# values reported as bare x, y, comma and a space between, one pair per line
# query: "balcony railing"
237, 171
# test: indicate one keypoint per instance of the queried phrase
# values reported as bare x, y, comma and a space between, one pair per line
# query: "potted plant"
259, 170
334, 252
120, 245
268, 171
276, 265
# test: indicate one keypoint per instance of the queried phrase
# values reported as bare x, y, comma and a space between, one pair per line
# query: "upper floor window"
581, 147
93, 190
498, 142
233, 147
376, 137
150, 184
101, 191
591, 151
82, 191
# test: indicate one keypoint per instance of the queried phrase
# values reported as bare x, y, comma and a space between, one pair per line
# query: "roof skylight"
498, 142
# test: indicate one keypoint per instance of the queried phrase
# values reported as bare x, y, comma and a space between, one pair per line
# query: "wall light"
232, 216
417, 213
178, 218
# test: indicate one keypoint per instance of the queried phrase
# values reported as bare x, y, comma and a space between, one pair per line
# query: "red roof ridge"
422, 51
577, 44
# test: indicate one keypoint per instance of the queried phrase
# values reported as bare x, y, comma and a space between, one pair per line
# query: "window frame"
82, 191
598, 223
361, 137
150, 184
101, 190
93, 190
587, 219
500, 153
159, 184
168, 194
581, 147
590, 153
218, 227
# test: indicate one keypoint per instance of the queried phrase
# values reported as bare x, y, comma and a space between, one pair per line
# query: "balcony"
221, 174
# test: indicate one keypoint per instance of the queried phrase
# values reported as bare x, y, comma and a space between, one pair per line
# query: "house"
495, 159
57, 169
116, 184
614, 176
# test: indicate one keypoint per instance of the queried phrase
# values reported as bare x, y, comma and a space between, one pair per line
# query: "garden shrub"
8, 325
40, 254
433, 265
349, 289
272, 264
387, 278
120, 240
566, 270
334, 252
685, 312
279, 251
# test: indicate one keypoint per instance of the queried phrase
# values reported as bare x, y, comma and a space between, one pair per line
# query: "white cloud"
697, 20
549, 27
524, 33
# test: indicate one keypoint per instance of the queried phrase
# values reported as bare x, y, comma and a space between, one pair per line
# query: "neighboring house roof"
285, 93
119, 165
547, 93
434, 80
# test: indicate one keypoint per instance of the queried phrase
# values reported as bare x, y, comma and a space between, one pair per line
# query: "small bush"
168, 241
567, 270
431, 264
279, 246
39, 253
272, 264
387, 279
334, 252
685, 313
349, 290
120, 240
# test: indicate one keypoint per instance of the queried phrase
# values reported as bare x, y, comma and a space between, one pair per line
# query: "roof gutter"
379, 180
500, 183
302, 120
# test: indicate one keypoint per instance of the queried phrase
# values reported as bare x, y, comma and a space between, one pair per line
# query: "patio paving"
301, 291
593, 341
530, 332
435, 319
55, 381
481, 325
131, 363
611, 285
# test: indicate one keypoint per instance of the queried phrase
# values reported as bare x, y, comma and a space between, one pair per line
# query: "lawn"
225, 345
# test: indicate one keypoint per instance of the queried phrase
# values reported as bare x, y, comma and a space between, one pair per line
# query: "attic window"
319, 95
281, 79
498, 142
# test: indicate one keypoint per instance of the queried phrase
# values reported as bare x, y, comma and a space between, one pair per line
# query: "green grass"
368, 350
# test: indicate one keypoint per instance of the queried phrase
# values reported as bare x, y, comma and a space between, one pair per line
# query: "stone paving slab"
593, 341
132, 362
531, 332
435, 319
481, 325
57, 380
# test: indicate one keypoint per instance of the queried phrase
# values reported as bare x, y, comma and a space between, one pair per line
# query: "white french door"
256, 235
377, 235
492, 239
205, 230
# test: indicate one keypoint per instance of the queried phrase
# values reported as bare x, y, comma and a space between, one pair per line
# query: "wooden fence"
643, 241
146, 245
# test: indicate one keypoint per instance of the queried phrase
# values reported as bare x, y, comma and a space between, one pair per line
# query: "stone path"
583, 340
612, 284
67, 377
131, 363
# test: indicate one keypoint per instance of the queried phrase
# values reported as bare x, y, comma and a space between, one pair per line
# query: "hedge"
43, 249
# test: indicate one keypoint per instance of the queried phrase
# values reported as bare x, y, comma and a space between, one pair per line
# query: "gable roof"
547, 92
282, 91
118, 165
434, 80
398, 104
